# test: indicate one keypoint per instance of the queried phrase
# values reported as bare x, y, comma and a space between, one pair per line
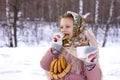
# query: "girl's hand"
57, 42
91, 58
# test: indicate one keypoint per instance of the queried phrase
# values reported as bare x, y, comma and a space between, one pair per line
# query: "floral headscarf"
79, 24
79, 27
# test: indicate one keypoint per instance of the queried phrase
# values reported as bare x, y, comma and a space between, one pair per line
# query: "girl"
62, 60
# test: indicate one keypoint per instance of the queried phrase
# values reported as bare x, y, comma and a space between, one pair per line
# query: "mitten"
91, 57
88, 55
57, 43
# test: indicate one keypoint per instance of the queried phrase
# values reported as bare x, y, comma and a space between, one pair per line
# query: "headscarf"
79, 24
78, 28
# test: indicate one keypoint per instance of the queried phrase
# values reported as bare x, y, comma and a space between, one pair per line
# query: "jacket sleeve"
46, 59
94, 74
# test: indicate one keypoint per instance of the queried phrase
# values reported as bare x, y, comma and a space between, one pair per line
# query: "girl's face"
66, 26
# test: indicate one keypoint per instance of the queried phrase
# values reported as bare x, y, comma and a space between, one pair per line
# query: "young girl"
63, 60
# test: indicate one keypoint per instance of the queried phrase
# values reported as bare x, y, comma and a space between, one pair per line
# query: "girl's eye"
67, 26
61, 27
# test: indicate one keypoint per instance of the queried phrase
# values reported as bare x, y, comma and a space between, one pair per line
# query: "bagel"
63, 62
67, 69
52, 64
62, 74
59, 66
56, 67
55, 76
65, 37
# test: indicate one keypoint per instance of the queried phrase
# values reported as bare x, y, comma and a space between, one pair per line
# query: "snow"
23, 63
110, 63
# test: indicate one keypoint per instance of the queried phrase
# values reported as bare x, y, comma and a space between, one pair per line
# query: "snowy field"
23, 63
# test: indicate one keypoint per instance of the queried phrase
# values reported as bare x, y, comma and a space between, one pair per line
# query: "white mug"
81, 52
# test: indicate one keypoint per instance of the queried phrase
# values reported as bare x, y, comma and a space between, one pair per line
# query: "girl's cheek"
70, 35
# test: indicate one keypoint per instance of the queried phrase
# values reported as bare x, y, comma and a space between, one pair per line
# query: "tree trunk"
36, 31
108, 22
80, 7
15, 6
9, 24
42, 11
58, 7
105, 35
14, 24
96, 17
50, 12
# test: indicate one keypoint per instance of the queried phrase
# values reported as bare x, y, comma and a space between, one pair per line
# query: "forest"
29, 17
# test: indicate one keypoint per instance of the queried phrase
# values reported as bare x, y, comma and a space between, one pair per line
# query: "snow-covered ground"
23, 63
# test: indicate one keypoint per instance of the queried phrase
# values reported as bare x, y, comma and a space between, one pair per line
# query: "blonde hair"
66, 15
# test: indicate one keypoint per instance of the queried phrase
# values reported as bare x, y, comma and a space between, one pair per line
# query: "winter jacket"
78, 70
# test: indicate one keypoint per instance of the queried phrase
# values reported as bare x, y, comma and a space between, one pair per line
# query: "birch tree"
42, 11
9, 24
96, 17
58, 7
50, 11
15, 6
108, 22
80, 7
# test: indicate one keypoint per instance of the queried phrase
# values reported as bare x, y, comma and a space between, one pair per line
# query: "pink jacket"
94, 74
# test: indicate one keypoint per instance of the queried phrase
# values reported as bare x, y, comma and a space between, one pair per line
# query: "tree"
81, 7
8, 23
108, 23
15, 6
96, 17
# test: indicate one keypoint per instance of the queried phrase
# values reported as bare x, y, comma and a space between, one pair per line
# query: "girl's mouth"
66, 36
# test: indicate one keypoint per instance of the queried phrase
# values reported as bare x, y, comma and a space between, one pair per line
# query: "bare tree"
42, 11
50, 10
96, 17
8, 23
15, 6
108, 23
58, 7
116, 17
81, 7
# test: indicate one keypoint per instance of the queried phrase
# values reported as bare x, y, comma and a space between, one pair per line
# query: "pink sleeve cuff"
94, 74
46, 60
